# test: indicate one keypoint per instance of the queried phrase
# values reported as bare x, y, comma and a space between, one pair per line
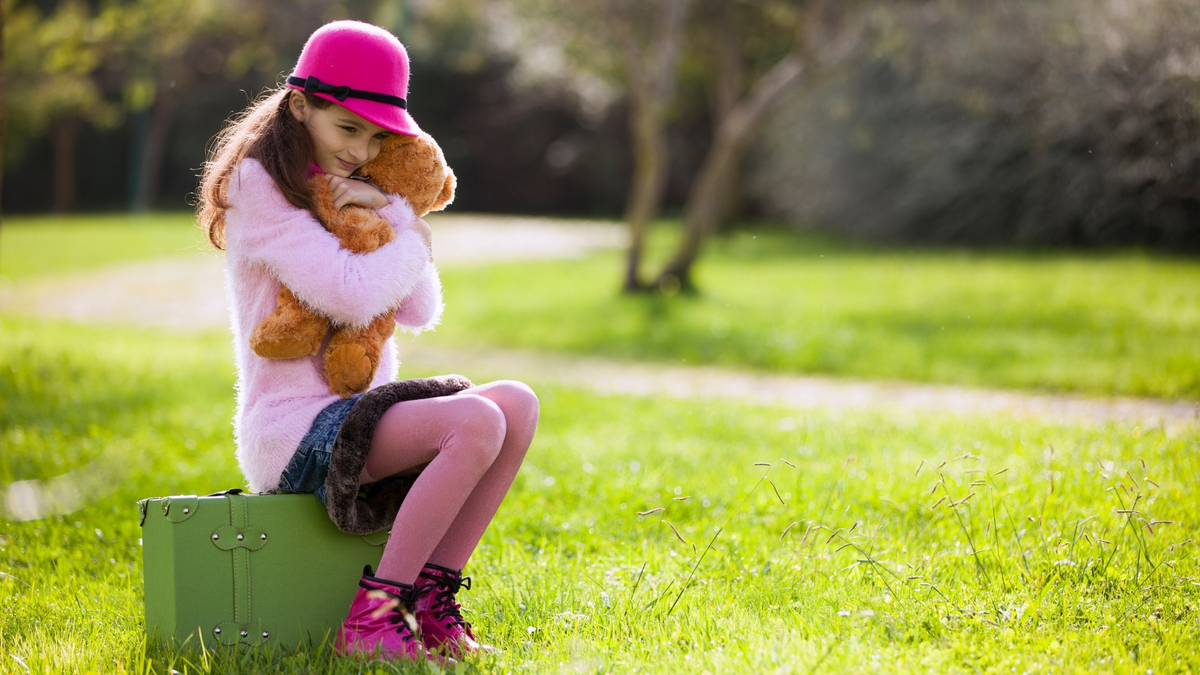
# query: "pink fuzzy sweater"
269, 241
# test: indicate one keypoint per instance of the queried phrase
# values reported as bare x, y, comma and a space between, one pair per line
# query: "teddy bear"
410, 166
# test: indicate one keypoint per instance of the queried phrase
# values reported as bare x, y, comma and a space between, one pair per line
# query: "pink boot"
381, 621
440, 616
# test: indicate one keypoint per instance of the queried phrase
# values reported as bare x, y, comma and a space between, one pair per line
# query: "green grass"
44, 245
846, 560
1115, 324
1124, 323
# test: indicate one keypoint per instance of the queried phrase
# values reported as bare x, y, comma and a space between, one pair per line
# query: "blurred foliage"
516, 145
102, 60
49, 61
1069, 122
635, 48
1056, 122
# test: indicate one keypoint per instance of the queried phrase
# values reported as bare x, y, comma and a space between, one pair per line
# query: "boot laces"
445, 608
401, 611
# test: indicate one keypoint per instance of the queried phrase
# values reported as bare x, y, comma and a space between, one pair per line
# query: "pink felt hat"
361, 67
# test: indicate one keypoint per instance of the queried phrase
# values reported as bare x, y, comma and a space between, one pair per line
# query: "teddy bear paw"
285, 347
348, 369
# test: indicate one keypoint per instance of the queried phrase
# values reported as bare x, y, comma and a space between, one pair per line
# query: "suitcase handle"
377, 538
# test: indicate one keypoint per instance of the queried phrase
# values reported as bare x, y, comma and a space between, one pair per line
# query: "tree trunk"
646, 189
63, 137
702, 211
3, 103
146, 179
649, 95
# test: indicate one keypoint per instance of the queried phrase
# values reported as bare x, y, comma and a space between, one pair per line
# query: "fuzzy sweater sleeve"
291, 245
422, 309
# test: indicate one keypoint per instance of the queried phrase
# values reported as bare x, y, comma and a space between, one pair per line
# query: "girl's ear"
298, 105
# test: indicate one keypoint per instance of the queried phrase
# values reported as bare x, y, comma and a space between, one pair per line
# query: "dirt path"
187, 294
706, 382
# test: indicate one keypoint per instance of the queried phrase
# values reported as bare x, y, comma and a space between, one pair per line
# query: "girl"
345, 95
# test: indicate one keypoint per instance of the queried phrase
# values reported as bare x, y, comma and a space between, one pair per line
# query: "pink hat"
361, 67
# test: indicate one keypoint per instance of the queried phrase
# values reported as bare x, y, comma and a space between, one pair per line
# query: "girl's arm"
422, 309
263, 229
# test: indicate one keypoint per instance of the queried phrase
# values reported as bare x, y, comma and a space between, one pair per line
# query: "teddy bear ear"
447, 194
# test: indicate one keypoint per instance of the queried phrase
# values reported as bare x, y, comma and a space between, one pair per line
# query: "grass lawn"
820, 542
45, 245
1116, 324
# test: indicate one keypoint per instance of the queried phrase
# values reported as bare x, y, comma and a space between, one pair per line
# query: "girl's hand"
422, 228
350, 191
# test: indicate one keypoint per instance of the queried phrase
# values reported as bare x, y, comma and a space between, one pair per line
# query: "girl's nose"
358, 150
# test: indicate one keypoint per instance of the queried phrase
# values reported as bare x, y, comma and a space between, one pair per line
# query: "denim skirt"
308, 468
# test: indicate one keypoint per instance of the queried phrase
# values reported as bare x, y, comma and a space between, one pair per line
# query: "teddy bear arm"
361, 230
290, 331
322, 197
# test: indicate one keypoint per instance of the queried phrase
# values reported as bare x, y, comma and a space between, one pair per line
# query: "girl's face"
342, 141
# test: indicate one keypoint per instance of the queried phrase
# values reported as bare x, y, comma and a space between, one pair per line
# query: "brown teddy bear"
410, 166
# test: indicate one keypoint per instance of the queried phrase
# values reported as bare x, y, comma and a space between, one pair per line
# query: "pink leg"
520, 407
459, 438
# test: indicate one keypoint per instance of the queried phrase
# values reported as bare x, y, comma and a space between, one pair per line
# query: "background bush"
1061, 122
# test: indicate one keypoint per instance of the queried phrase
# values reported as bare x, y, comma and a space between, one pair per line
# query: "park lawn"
35, 246
840, 542
1124, 323
1121, 323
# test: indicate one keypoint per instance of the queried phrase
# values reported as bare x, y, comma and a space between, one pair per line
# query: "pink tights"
470, 446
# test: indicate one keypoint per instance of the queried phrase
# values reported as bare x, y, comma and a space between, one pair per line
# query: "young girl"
345, 95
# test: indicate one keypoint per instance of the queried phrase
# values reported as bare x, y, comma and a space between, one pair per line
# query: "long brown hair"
266, 131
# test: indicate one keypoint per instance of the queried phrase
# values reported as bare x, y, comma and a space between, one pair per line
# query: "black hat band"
312, 85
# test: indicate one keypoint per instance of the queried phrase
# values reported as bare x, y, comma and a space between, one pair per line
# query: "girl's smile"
342, 140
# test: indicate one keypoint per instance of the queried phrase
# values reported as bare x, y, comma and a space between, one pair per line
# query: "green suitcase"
250, 569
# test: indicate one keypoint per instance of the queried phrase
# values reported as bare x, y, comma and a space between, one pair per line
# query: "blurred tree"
650, 69
736, 43
49, 85
160, 50
135, 63
635, 45
747, 53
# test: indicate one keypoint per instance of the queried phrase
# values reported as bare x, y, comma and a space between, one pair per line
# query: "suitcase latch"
228, 537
